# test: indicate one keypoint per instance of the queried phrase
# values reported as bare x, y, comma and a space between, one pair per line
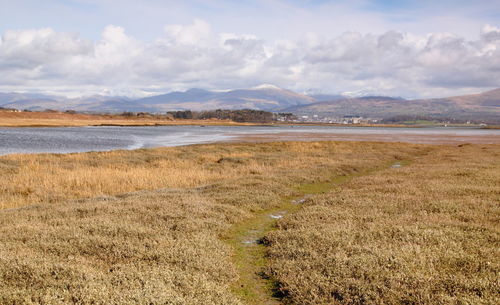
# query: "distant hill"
480, 107
485, 99
37, 102
484, 106
264, 97
327, 97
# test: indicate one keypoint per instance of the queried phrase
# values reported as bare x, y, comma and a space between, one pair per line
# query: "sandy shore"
407, 138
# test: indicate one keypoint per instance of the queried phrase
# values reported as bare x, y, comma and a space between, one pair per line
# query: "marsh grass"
425, 233
149, 226
249, 242
152, 228
48, 178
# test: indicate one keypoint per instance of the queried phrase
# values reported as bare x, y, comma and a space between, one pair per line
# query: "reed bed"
147, 226
425, 233
151, 229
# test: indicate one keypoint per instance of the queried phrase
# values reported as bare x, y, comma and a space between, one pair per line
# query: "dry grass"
47, 178
151, 247
426, 233
57, 119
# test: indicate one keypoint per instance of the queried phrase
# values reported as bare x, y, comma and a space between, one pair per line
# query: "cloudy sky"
402, 48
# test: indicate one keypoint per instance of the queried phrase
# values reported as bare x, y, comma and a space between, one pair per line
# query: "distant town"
245, 116
315, 118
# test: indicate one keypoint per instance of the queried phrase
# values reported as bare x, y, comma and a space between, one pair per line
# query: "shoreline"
306, 137
59, 119
119, 123
47, 123
443, 139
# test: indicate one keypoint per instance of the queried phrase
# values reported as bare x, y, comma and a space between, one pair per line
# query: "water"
82, 139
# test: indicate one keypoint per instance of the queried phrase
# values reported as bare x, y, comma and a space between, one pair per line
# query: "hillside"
484, 106
38, 102
264, 97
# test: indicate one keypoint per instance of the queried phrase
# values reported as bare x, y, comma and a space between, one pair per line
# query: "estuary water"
104, 138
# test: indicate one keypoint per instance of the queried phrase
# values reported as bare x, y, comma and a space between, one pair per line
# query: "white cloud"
32, 48
193, 55
490, 33
198, 33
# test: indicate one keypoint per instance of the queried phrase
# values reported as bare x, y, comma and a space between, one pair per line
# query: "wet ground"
81, 139
247, 241
361, 135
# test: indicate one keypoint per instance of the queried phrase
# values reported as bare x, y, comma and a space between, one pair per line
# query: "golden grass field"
161, 226
58, 119
426, 233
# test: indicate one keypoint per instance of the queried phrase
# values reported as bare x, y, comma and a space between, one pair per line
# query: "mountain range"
265, 97
480, 107
484, 106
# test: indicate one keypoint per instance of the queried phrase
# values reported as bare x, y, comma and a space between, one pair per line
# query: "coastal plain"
379, 223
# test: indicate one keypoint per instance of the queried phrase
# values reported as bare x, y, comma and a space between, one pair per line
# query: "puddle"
278, 215
300, 200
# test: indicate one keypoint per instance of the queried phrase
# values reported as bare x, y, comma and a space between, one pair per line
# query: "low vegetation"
158, 246
51, 118
159, 226
426, 233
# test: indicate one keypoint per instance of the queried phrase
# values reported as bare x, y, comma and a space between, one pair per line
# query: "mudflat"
444, 138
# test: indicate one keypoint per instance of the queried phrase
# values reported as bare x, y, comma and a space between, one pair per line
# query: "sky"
401, 48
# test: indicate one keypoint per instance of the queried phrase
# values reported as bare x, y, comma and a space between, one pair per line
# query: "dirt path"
253, 286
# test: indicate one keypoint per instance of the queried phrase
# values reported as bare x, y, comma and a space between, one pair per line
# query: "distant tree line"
244, 115
286, 116
184, 114
241, 116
